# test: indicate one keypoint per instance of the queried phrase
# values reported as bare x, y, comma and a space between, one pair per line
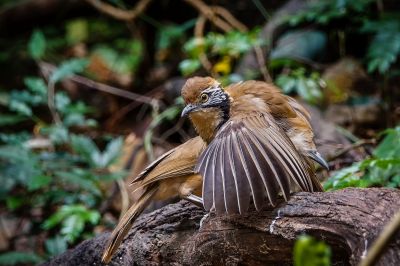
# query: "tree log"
349, 220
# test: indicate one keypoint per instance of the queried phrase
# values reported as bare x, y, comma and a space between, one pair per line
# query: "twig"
352, 147
126, 15
375, 251
47, 69
225, 14
51, 102
176, 128
199, 35
262, 64
208, 12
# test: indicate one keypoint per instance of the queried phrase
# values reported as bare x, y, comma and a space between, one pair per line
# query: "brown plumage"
253, 143
259, 142
171, 175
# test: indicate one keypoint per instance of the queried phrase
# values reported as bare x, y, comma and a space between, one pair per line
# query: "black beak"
188, 109
318, 158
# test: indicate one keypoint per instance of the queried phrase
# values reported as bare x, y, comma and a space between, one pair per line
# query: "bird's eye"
204, 98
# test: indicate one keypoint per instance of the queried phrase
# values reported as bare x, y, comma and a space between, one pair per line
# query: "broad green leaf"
37, 45
390, 145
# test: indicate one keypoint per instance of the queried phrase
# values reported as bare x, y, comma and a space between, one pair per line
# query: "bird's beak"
188, 109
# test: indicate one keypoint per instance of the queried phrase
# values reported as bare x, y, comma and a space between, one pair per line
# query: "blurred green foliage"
19, 258
310, 252
307, 86
218, 46
61, 172
323, 12
384, 49
381, 169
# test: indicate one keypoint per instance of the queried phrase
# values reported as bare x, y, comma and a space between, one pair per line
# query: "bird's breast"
206, 122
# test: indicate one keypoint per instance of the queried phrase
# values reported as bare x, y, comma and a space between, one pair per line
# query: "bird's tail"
126, 223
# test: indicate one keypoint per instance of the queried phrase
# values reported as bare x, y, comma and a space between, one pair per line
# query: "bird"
253, 142
259, 143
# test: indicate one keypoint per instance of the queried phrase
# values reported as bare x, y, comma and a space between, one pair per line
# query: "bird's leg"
196, 200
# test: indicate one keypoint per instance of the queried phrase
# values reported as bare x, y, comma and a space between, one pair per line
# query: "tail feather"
126, 223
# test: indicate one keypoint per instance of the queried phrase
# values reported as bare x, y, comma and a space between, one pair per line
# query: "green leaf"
384, 49
310, 252
169, 34
189, 66
68, 68
72, 219
81, 179
38, 181
8, 119
86, 148
345, 177
112, 151
37, 45
18, 258
36, 85
57, 133
390, 145
14, 203
20, 107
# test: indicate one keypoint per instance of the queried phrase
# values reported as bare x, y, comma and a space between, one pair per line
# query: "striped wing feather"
179, 161
250, 157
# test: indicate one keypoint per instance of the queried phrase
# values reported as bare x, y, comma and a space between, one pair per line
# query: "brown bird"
253, 143
259, 142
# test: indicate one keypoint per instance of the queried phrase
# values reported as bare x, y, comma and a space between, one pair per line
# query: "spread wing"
250, 157
179, 161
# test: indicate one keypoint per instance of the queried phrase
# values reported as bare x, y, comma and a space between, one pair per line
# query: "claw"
314, 155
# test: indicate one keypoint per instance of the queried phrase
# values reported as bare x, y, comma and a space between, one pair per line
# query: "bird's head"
207, 104
204, 94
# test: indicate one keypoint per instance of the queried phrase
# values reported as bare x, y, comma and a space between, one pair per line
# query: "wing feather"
252, 173
230, 181
250, 157
208, 186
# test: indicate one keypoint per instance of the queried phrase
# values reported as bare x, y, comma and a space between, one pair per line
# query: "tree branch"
117, 13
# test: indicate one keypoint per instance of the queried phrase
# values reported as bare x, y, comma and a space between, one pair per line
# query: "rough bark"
348, 220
